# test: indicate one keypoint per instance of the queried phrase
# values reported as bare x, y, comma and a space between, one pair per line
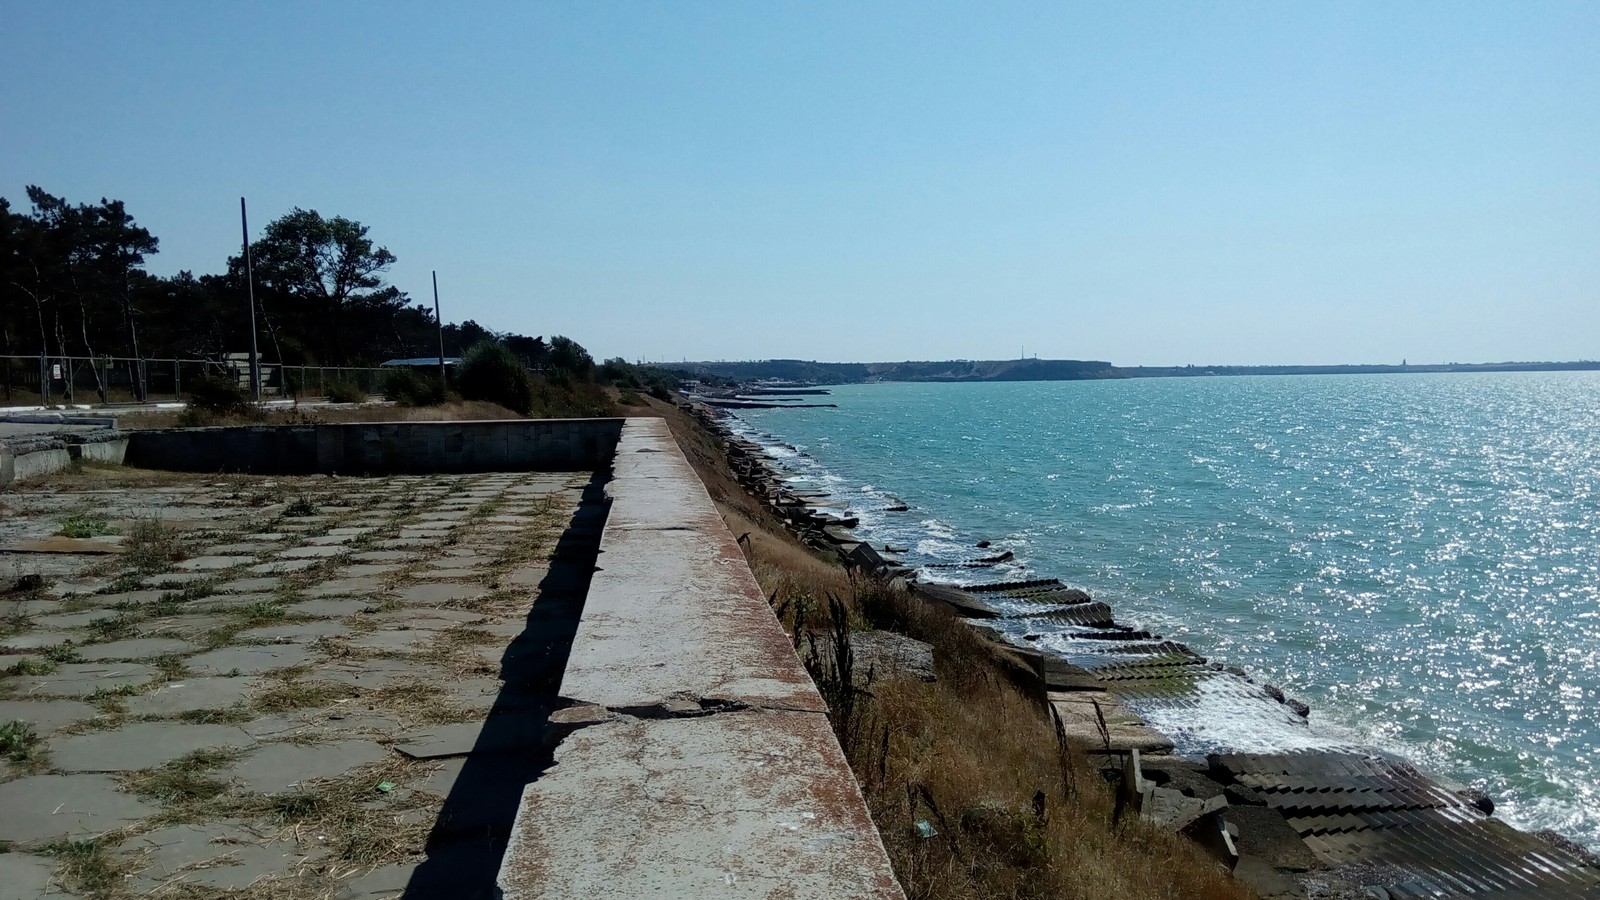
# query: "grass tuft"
151, 547
86, 526
87, 866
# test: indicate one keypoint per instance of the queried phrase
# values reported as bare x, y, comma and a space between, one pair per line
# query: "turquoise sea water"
1416, 556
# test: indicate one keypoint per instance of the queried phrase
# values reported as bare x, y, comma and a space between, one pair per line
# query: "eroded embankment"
1293, 822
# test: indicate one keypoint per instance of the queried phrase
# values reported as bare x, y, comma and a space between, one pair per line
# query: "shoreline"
1338, 819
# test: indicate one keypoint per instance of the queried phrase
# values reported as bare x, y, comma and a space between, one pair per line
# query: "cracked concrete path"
273, 686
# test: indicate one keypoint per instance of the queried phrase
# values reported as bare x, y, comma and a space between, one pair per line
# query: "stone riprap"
699, 760
293, 734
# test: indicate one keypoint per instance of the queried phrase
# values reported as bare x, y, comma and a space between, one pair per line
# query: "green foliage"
568, 400
217, 395
657, 382
568, 359
16, 738
407, 388
491, 372
345, 392
86, 526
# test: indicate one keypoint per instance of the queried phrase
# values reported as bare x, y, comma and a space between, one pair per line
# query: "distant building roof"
420, 361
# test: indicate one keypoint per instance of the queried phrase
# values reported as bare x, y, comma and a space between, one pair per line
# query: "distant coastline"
964, 370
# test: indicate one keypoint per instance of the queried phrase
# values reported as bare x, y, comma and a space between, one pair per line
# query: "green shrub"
221, 395
345, 392
407, 388
491, 372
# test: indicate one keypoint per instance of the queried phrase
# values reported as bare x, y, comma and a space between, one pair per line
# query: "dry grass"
1017, 814
457, 411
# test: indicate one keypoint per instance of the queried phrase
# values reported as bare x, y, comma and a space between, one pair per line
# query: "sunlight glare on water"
1417, 556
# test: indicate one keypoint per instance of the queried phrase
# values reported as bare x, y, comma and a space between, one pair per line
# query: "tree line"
73, 284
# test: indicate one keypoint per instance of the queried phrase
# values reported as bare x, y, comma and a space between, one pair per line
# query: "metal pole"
439, 321
250, 287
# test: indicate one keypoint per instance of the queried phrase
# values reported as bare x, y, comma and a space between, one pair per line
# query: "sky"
1143, 183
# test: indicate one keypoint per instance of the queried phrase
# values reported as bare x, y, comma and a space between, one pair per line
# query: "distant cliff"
1062, 370
947, 370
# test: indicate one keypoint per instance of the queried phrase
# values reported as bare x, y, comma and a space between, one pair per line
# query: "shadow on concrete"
469, 838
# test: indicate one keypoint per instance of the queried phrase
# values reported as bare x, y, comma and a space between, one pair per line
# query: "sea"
1416, 556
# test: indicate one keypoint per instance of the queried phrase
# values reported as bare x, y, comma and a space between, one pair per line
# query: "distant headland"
799, 370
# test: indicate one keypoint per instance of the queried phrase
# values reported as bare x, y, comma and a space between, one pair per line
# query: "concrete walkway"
699, 760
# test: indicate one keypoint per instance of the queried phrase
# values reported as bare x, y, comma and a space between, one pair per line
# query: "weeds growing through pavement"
86, 526
17, 740
184, 780
87, 866
151, 547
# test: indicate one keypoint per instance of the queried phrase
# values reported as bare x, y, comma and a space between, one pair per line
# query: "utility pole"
439, 320
250, 287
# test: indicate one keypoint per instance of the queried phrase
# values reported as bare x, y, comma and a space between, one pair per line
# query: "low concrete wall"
378, 448
32, 457
699, 760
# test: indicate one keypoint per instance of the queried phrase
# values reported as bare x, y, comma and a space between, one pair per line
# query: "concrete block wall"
380, 448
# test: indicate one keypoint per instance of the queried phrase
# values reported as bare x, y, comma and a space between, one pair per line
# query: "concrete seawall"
381, 448
698, 758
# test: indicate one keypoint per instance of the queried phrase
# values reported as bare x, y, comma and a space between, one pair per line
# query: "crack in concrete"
582, 714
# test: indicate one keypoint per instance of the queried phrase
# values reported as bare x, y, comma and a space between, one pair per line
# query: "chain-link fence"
52, 380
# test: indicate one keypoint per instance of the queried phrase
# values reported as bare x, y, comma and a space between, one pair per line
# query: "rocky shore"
1321, 822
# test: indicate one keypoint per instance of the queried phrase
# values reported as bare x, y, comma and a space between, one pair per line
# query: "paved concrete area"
209, 721
700, 761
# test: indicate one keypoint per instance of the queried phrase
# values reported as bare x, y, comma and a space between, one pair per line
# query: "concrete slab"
249, 585
24, 876
46, 716
252, 660
175, 579
330, 608
142, 745
138, 648
191, 694
84, 679
71, 620
446, 574
279, 767
369, 673
401, 543
383, 556
283, 566
295, 632
434, 594
130, 597
214, 563
51, 807
313, 552
394, 640
36, 640
1077, 712
218, 602
246, 548
747, 804
368, 569
346, 587
221, 857
330, 540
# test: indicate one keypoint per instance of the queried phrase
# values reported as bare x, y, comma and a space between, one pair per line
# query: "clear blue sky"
1142, 183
